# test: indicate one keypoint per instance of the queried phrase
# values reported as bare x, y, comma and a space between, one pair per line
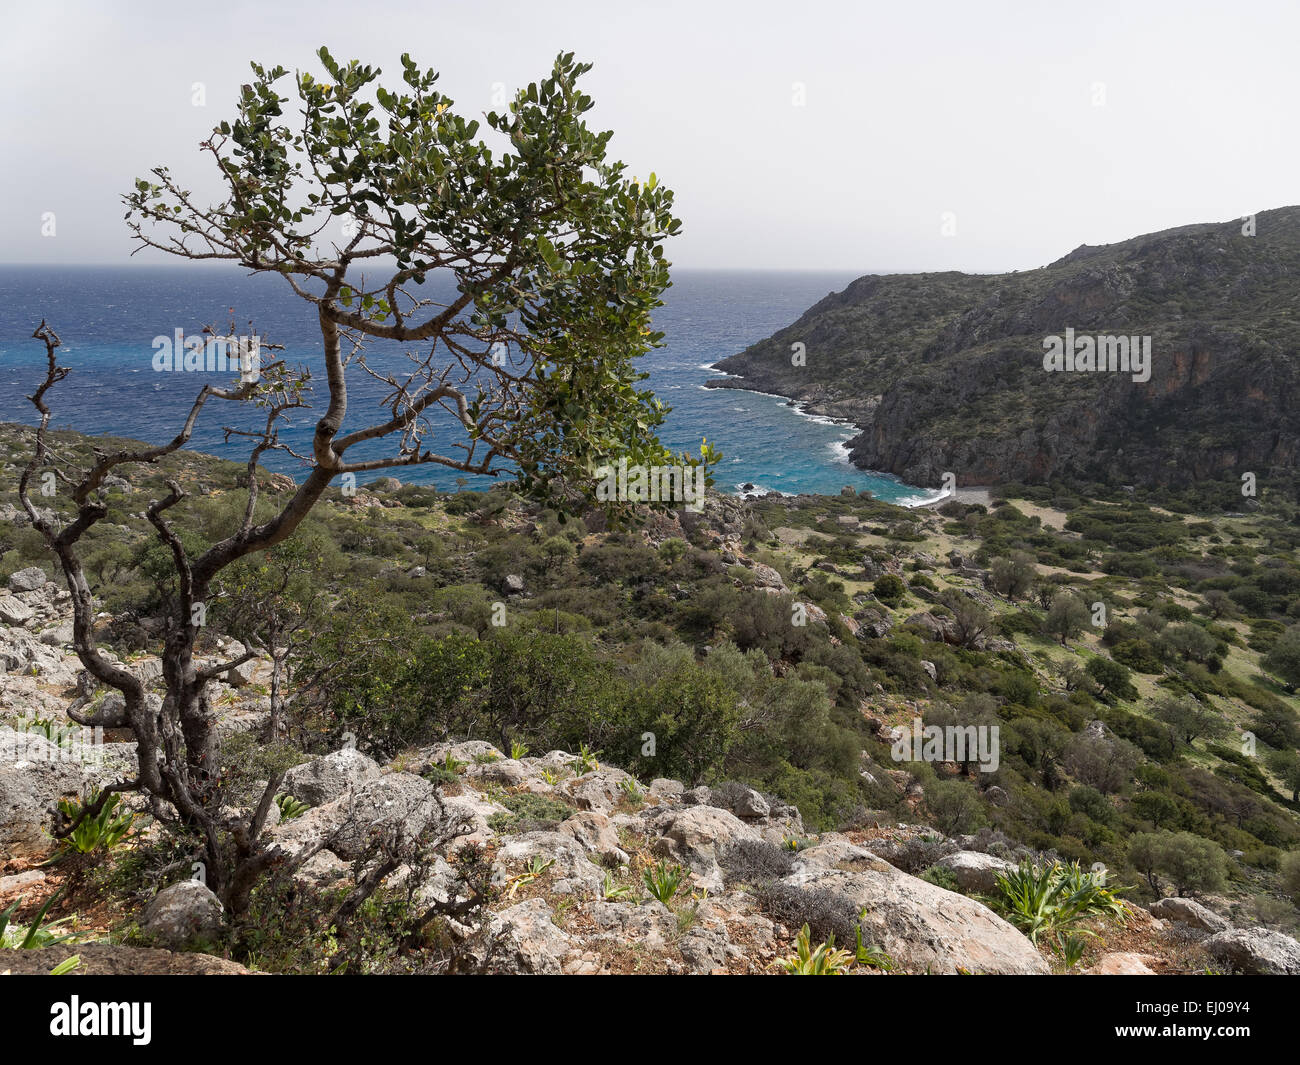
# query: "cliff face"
944, 372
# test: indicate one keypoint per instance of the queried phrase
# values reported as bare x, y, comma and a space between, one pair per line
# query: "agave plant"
611, 889
536, 866
823, 960
1070, 948
869, 953
290, 807
1048, 899
101, 832
56, 732
663, 880
36, 934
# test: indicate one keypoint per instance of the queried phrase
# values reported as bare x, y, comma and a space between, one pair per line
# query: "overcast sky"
1039, 125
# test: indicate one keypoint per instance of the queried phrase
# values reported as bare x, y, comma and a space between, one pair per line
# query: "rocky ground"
569, 842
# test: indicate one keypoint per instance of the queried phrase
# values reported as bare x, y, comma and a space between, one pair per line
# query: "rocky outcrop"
922, 927
944, 372
1255, 952
394, 806
1188, 912
323, 780
36, 773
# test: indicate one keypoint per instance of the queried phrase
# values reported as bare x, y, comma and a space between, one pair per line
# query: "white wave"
923, 500
756, 490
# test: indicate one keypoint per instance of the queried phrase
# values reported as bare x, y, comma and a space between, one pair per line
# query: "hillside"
472, 656
944, 372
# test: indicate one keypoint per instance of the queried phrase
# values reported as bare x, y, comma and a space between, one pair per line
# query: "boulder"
744, 802
1255, 951
571, 871
241, 676
922, 927
767, 577
697, 837
31, 579
182, 914
472, 811
35, 774
649, 925
20, 880
323, 780
931, 627
14, 611
1122, 963
322, 869
23, 653
397, 808
528, 941
975, 871
594, 832
505, 772
60, 635
667, 790
1188, 912
601, 789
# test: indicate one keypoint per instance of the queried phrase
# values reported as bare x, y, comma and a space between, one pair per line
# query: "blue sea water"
107, 318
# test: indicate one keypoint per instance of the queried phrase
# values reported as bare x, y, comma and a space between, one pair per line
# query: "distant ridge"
944, 371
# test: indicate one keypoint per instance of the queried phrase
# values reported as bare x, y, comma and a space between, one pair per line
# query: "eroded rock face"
923, 927
1255, 951
182, 914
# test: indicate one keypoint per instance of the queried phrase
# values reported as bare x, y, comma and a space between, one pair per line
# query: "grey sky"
983, 109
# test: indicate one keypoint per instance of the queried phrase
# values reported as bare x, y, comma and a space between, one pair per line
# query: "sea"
108, 317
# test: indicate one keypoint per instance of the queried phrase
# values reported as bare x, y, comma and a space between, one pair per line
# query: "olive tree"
357, 196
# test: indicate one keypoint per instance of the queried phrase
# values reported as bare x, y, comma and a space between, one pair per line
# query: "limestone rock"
1189, 912
323, 780
1255, 951
182, 914
923, 927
